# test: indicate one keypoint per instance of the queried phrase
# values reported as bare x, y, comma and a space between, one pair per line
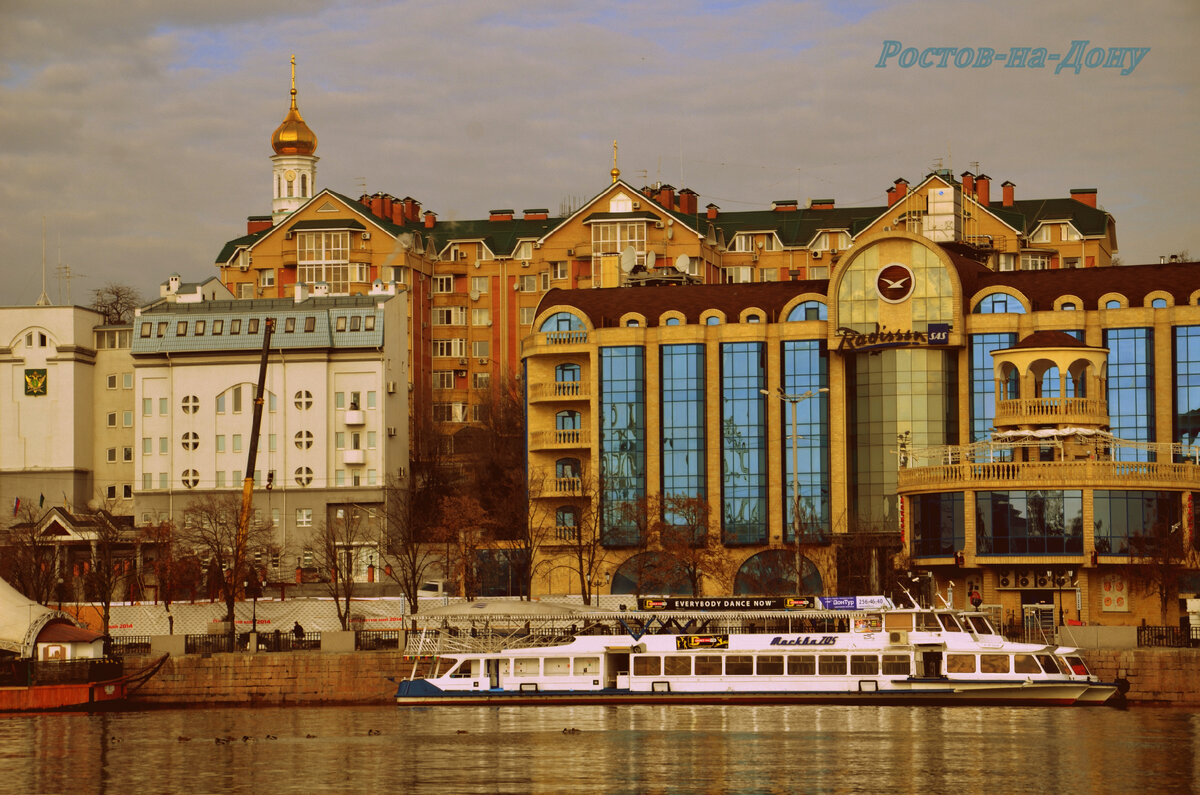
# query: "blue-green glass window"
672, 321
712, 320
1029, 522
1112, 304
1051, 384
566, 468
566, 373
1134, 521
805, 370
683, 449
1159, 303
622, 442
999, 304
1131, 389
1187, 385
808, 310
938, 524
562, 321
743, 444
567, 421
983, 385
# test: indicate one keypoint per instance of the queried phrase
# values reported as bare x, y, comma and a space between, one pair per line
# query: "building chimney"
983, 189
377, 205
365, 200
257, 223
820, 204
688, 201
891, 196
968, 183
387, 206
500, 215
1008, 189
300, 293
666, 196
430, 219
538, 214
399, 213
1085, 195
712, 212
785, 205
901, 186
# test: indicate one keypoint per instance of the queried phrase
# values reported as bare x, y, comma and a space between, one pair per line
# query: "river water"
619, 749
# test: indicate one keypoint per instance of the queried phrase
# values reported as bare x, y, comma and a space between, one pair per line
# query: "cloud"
140, 129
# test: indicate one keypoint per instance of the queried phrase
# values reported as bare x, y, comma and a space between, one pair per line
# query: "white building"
335, 416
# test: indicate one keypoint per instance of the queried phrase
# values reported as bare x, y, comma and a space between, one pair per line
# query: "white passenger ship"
870, 653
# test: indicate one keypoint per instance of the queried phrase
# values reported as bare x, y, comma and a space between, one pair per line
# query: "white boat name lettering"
827, 640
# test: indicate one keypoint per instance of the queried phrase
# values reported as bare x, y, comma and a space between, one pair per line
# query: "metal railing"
375, 639
121, 645
1169, 637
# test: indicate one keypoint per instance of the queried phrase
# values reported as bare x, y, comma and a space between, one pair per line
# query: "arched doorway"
773, 573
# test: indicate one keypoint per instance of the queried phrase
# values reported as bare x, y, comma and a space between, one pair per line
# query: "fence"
121, 645
373, 639
1170, 637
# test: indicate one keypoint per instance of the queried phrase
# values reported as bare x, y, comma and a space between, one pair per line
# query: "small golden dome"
293, 136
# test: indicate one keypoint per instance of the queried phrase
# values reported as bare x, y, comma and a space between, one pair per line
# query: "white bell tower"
294, 168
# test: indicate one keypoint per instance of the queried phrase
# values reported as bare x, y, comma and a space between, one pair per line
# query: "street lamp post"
795, 401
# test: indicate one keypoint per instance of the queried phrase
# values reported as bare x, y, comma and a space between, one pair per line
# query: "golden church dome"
293, 136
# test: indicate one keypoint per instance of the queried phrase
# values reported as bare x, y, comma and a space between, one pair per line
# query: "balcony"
560, 390
355, 417
354, 456
973, 475
563, 487
559, 341
560, 439
1064, 411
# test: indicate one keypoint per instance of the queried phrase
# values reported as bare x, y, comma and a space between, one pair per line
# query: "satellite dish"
670, 233
628, 259
682, 262
405, 240
650, 258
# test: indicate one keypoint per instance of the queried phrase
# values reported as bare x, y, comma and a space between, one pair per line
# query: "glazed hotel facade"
1028, 434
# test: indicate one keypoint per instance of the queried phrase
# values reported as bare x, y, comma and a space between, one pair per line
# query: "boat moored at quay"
861, 650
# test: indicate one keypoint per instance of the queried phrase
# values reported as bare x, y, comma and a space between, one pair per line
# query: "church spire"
616, 172
295, 160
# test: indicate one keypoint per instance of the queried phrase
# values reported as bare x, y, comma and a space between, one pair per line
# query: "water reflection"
617, 749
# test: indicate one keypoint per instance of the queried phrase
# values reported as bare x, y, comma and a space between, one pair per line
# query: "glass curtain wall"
983, 383
683, 459
1131, 388
622, 442
743, 444
1187, 385
805, 369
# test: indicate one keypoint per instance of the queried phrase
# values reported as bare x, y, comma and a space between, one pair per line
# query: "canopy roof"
21, 619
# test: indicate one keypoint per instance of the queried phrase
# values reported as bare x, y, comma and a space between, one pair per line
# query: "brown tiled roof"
1050, 339
604, 307
1135, 282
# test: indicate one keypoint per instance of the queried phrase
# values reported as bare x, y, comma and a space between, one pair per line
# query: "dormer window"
524, 250
620, 203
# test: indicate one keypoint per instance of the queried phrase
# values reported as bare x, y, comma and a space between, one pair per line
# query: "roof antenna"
43, 299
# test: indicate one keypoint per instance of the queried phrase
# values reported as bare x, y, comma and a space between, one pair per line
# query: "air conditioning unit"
483, 361
366, 235
244, 265
1023, 580
570, 252
287, 235
637, 205
476, 264
462, 362
391, 431
658, 224
816, 255
391, 387
1043, 581
898, 637
525, 264
460, 373
1006, 579
887, 229
833, 252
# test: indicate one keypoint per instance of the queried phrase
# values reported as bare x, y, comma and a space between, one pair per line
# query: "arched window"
1159, 303
566, 468
673, 321
808, 310
1112, 304
712, 320
562, 321
1049, 386
999, 304
567, 421
564, 373
304, 186
566, 523
632, 322
1067, 306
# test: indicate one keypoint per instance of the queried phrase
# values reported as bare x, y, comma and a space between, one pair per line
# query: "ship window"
739, 665
771, 665
708, 665
801, 665
1077, 665
1050, 665
463, 671
587, 665
961, 663
557, 666
993, 663
927, 622
832, 664
981, 626
864, 664
949, 622
526, 666
1025, 664
677, 665
647, 666
896, 665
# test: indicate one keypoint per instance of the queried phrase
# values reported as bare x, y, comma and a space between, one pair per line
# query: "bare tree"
338, 546
408, 545
692, 545
210, 526
30, 561
111, 569
463, 529
537, 530
583, 545
1160, 560
116, 302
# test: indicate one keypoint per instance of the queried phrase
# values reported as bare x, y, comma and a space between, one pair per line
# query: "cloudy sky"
139, 129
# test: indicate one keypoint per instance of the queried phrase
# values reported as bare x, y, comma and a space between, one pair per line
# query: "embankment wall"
1156, 676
